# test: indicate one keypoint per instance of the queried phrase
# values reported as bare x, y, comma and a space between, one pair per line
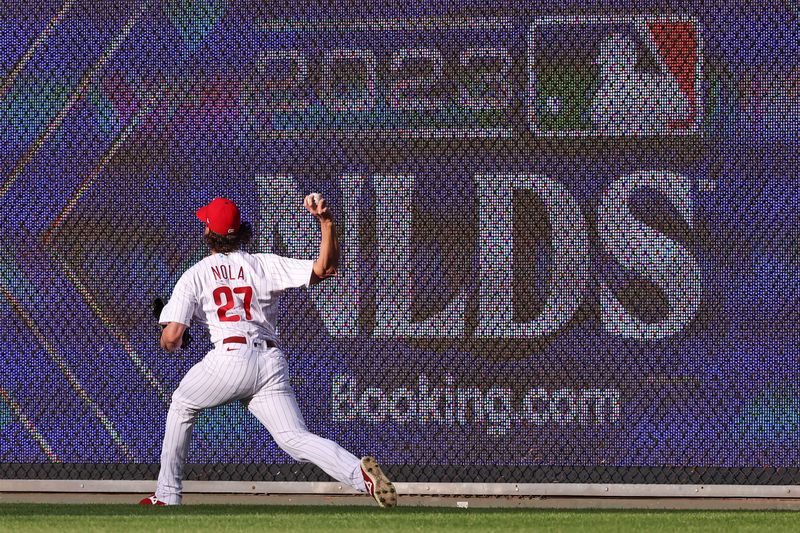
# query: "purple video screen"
569, 239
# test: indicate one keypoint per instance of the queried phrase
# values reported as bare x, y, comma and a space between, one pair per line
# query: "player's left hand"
155, 308
317, 206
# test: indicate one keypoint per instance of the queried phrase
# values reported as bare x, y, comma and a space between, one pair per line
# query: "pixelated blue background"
118, 121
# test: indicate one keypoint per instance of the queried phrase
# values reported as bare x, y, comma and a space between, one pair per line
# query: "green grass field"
68, 517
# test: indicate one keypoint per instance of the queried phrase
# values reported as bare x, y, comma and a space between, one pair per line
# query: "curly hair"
229, 243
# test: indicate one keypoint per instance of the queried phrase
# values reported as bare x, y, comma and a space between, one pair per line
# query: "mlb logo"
616, 76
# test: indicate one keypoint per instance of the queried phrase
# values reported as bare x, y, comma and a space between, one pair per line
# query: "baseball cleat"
378, 485
151, 500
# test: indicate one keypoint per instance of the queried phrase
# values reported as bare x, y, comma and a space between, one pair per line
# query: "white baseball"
316, 197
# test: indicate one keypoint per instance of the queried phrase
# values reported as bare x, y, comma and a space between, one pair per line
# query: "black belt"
243, 340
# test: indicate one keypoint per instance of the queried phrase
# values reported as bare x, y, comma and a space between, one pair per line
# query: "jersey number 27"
223, 297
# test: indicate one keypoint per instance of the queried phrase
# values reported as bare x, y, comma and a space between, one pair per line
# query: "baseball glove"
155, 308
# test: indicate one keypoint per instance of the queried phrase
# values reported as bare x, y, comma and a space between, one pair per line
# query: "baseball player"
236, 294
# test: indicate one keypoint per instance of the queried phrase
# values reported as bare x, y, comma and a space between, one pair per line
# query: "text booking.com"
497, 408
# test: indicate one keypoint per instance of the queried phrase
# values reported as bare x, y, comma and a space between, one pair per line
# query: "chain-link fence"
569, 232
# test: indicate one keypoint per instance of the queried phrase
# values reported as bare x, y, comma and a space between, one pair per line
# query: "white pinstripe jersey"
236, 294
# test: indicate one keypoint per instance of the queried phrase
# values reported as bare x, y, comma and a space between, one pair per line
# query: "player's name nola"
641, 250
220, 272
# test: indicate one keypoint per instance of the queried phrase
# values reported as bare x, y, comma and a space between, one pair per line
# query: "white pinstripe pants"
239, 372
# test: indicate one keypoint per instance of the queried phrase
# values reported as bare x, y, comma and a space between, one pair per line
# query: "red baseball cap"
221, 216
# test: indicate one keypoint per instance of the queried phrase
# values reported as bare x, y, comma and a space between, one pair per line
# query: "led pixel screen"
569, 232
